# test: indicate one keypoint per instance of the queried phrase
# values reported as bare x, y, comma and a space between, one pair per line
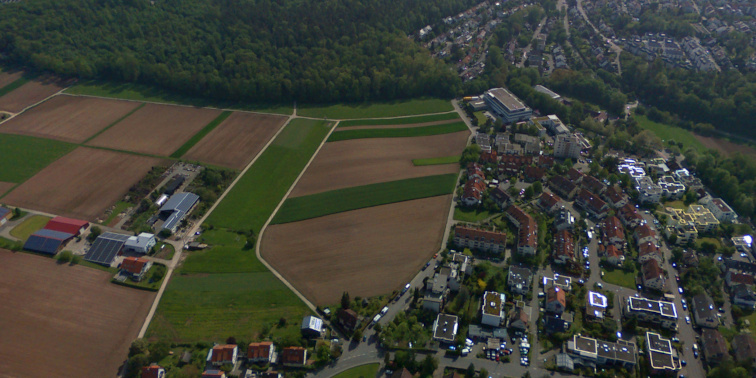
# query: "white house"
141, 243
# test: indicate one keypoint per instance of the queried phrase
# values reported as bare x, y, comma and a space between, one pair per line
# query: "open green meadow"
471, 215
437, 161
24, 156
201, 134
29, 226
364, 371
666, 132
226, 254
141, 92
359, 197
376, 110
249, 204
339, 135
619, 277
212, 307
400, 121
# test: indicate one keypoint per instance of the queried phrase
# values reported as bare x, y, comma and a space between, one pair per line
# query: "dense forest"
257, 50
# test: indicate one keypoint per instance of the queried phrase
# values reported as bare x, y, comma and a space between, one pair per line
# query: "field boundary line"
178, 247
113, 124
273, 214
13, 115
395, 117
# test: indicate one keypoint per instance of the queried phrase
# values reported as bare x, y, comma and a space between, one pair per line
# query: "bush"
65, 256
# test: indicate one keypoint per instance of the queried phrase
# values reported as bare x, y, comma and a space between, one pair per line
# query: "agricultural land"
71, 315
30, 93
377, 110
24, 156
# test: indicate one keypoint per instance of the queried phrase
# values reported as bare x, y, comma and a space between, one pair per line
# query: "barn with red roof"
70, 226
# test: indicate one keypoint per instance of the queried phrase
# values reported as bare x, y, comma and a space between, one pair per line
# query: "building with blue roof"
5, 215
176, 208
47, 241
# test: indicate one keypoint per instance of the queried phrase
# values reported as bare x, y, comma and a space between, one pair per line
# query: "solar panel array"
105, 248
46, 241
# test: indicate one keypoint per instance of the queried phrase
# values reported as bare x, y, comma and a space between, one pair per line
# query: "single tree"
345, 300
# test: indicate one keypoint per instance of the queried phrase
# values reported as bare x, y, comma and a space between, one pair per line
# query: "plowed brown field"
82, 184
64, 321
68, 118
29, 94
236, 141
372, 160
5, 186
432, 123
366, 252
156, 129
9, 77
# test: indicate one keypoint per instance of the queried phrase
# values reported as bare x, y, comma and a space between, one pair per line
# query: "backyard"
364, 371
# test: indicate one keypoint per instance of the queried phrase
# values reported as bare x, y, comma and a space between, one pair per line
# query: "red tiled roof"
259, 350
294, 355
742, 278
517, 159
613, 228
744, 347
134, 265
651, 269
527, 234
592, 184
489, 157
564, 244
546, 161
535, 173
223, 353
591, 201
647, 248
474, 169
555, 293
476, 234
614, 194
474, 188
562, 184
644, 231
151, 371
574, 175
67, 225
612, 251
548, 200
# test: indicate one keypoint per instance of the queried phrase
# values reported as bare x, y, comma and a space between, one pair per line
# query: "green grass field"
225, 255
29, 226
471, 215
13, 86
400, 121
364, 371
359, 197
666, 132
201, 134
676, 204
376, 110
481, 117
215, 306
120, 207
398, 133
249, 204
140, 92
619, 277
437, 161
24, 156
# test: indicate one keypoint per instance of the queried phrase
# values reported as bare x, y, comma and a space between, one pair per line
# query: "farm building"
176, 208
5, 215
105, 248
173, 185
47, 241
141, 243
67, 225
135, 267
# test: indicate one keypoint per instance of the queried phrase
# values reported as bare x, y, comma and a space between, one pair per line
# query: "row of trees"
342, 50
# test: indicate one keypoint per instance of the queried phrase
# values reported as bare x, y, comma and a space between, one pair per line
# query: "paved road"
612, 46
526, 50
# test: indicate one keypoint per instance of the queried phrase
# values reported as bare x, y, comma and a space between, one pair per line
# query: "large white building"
567, 147
660, 313
493, 308
721, 210
648, 190
506, 105
141, 243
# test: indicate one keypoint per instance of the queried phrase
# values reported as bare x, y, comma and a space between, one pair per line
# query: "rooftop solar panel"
105, 248
43, 244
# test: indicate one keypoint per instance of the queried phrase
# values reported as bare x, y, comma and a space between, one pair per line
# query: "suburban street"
612, 46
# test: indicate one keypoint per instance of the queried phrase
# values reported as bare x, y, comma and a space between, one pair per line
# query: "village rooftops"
661, 308
481, 235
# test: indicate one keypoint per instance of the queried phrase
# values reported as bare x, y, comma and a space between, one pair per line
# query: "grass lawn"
620, 278
120, 207
437, 161
215, 306
13, 86
400, 121
337, 201
225, 255
481, 118
23, 156
10, 244
471, 215
164, 251
141, 92
249, 204
751, 319
676, 204
666, 132
376, 109
714, 241
201, 134
29, 226
398, 133
92, 265
364, 371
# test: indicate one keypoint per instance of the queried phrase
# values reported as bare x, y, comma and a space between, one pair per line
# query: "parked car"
687, 319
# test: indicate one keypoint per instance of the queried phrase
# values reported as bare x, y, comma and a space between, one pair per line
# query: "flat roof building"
660, 313
493, 308
662, 358
506, 105
445, 328
590, 352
